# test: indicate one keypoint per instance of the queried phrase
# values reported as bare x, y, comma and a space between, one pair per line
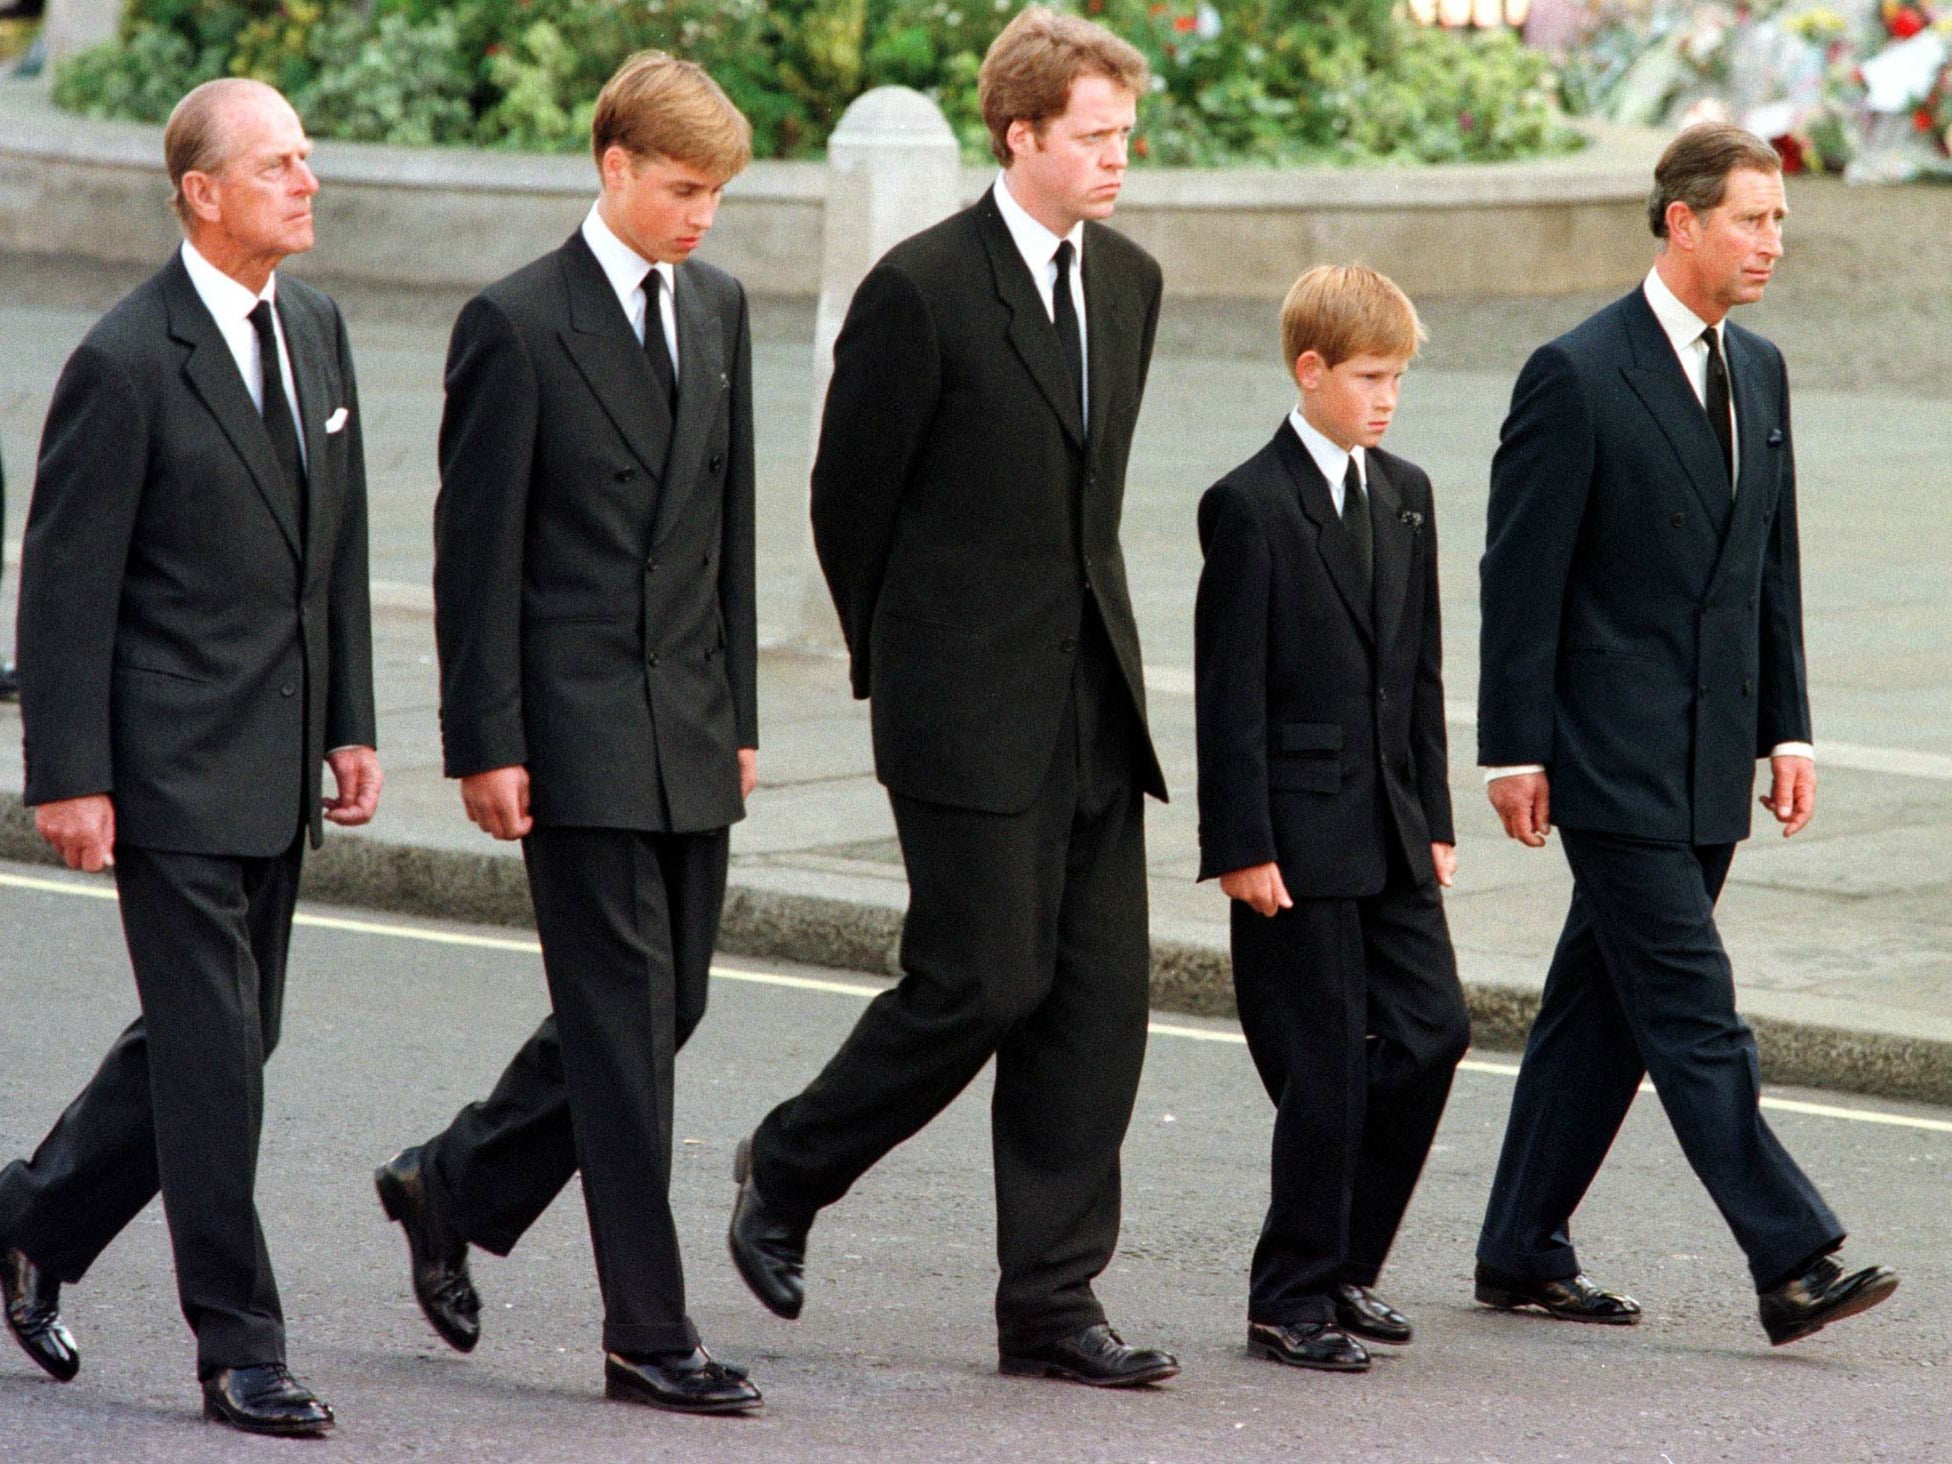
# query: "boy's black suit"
194, 636
594, 606
1322, 749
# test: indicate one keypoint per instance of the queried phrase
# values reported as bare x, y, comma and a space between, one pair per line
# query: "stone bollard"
75, 25
893, 168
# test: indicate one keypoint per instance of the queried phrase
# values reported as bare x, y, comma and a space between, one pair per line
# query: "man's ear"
1310, 369
1683, 224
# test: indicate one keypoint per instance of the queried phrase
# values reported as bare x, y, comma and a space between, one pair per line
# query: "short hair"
1344, 310
1027, 72
1694, 170
656, 106
196, 139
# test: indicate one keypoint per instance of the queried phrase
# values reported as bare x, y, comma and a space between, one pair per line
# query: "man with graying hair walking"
195, 640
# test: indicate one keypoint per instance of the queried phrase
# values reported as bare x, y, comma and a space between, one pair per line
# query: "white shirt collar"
1332, 460
623, 266
1681, 325
1037, 244
223, 296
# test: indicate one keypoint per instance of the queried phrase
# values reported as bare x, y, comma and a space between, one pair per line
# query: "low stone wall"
455, 218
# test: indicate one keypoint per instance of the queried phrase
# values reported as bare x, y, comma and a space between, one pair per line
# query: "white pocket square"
336, 420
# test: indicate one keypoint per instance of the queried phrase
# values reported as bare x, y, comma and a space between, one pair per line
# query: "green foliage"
1272, 82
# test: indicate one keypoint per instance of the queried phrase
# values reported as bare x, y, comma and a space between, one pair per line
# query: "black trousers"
1356, 1022
179, 1100
1025, 940
628, 921
1640, 985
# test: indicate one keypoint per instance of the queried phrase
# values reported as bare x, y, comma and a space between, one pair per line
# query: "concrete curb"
452, 884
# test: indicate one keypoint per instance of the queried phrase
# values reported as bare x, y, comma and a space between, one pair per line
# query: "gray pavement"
1842, 939
391, 1024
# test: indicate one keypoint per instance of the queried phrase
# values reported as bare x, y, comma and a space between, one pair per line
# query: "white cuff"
1793, 749
1492, 775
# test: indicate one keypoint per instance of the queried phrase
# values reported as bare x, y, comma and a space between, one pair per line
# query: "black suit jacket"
963, 513
593, 559
1320, 709
180, 648
1642, 634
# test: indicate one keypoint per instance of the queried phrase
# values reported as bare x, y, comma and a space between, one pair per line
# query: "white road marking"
102, 890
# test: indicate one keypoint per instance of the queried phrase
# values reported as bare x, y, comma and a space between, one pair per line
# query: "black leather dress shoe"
685, 1382
1574, 1299
1319, 1345
1096, 1357
769, 1249
1361, 1311
33, 1303
438, 1260
1822, 1295
265, 1400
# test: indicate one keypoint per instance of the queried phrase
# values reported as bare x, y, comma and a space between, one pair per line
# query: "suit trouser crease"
1640, 984
1025, 940
1356, 1022
504, 1159
604, 917
178, 1102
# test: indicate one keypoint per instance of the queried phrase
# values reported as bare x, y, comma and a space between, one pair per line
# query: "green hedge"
1237, 81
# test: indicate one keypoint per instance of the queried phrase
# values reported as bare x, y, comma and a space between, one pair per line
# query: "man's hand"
1793, 798
1524, 805
357, 776
1444, 856
748, 771
498, 801
82, 830
1258, 886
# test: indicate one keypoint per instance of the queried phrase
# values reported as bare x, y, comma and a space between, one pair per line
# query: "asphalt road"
390, 1025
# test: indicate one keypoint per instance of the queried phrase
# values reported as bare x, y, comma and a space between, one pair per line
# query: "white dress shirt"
230, 305
1332, 460
1038, 246
629, 274
1683, 329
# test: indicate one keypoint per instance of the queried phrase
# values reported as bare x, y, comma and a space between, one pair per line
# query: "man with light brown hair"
966, 501
1642, 649
195, 649
594, 614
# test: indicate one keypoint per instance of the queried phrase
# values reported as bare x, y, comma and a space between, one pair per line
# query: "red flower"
1790, 150
1907, 23
1922, 120
1184, 23
1141, 148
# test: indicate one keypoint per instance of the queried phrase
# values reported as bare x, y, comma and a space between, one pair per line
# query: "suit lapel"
1662, 386
1032, 335
312, 374
1753, 422
606, 352
212, 372
701, 389
1106, 339
1331, 540
1395, 543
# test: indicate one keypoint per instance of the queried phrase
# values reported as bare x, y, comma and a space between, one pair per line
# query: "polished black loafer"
1096, 1357
1320, 1345
1571, 1299
1821, 1295
684, 1382
1360, 1311
438, 1261
33, 1305
265, 1400
769, 1249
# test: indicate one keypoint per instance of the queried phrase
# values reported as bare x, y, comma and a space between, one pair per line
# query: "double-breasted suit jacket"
593, 583
1320, 703
962, 540
195, 639
1643, 629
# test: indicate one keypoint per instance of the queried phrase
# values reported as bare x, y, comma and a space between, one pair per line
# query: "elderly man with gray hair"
195, 631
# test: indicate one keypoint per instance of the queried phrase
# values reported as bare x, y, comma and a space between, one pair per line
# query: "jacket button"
1069, 643
650, 566
1382, 695
624, 475
717, 462
653, 658
1748, 687
1752, 602
1703, 688
1678, 520
290, 688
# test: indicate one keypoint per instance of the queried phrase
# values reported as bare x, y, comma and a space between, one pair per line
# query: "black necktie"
278, 422
1064, 313
1717, 403
655, 345
1355, 519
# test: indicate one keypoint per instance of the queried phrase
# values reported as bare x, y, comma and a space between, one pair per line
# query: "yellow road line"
102, 890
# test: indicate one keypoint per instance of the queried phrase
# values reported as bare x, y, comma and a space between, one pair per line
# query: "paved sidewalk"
1842, 939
